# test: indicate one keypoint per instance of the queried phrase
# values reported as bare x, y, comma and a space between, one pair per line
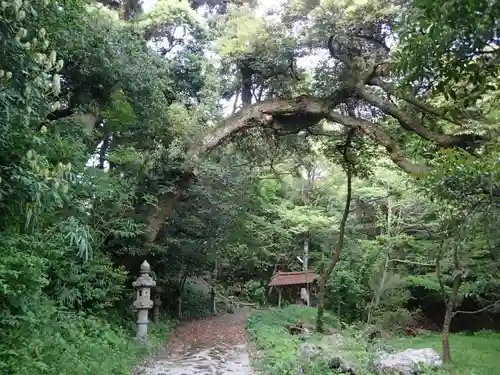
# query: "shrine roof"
293, 278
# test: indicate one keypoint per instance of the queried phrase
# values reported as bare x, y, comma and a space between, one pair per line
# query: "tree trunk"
166, 204
246, 85
450, 306
450, 302
179, 307
181, 292
446, 331
340, 242
370, 311
321, 305
214, 280
377, 294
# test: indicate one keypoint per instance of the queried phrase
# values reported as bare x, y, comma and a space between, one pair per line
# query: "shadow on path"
211, 346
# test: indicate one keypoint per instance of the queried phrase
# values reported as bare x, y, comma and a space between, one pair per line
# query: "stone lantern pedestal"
143, 301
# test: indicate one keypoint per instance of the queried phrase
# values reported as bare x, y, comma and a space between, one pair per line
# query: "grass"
472, 354
278, 350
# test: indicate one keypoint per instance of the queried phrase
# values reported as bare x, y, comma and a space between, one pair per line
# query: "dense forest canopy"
213, 138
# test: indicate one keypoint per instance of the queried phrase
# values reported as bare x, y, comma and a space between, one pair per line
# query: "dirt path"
211, 346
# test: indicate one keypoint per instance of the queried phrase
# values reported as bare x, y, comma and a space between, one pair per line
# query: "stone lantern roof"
144, 280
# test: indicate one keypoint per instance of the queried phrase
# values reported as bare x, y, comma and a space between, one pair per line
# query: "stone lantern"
157, 304
143, 302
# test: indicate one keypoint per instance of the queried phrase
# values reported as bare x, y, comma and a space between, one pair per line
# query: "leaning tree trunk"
446, 332
450, 302
340, 243
450, 306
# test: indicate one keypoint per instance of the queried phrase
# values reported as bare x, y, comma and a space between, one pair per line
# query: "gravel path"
211, 346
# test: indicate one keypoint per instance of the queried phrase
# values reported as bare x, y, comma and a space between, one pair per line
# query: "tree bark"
445, 333
246, 84
166, 204
340, 243
104, 150
182, 284
450, 306
212, 299
450, 302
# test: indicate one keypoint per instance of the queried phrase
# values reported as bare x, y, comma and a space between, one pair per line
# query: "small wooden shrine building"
296, 284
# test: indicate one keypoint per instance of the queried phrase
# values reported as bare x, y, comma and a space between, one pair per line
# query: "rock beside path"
408, 362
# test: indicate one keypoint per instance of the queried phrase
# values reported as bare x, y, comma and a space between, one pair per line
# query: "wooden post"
279, 297
306, 265
214, 304
179, 312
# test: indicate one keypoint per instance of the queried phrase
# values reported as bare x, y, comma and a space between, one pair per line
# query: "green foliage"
452, 44
255, 291
59, 280
393, 321
63, 342
346, 294
195, 303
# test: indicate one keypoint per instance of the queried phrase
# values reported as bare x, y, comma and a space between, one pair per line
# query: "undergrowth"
69, 343
195, 303
278, 350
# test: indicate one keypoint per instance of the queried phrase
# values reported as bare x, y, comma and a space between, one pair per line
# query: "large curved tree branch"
284, 116
278, 114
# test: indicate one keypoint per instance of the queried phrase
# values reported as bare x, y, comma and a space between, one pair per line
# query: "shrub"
70, 343
255, 291
393, 320
195, 303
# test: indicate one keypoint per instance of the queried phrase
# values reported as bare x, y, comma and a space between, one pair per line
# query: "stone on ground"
335, 350
408, 362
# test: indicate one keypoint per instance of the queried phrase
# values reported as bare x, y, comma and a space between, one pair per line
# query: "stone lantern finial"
145, 267
143, 302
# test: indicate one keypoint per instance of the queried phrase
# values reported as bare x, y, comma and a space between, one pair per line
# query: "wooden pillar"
279, 297
213, 302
